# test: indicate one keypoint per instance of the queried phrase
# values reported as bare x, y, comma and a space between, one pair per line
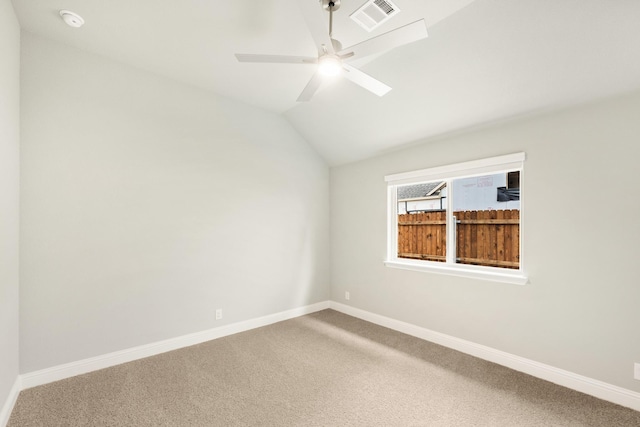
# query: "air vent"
374, 13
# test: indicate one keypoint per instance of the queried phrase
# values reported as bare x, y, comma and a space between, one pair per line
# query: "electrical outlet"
347, 296
636, 371
219, 314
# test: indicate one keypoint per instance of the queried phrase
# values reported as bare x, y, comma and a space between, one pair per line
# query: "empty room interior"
316, 212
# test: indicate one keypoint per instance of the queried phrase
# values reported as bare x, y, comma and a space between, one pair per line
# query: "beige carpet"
324, 369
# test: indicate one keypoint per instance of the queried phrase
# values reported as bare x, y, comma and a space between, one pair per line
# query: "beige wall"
580, 311
9, 196
148, 204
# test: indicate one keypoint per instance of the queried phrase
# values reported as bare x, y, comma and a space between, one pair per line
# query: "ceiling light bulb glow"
329, 65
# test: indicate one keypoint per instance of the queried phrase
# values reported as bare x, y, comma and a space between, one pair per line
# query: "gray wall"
9, 195
147, 204
580, 311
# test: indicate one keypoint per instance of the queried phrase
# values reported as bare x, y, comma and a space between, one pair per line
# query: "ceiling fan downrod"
331, 5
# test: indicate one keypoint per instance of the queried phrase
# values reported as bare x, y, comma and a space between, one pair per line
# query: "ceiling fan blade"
276, 59
314, 17
311, 88
387, 41
366, 81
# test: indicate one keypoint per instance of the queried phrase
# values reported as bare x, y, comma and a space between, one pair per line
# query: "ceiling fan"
332, 59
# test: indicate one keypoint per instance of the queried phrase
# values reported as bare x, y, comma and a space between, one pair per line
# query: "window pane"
422, 221
487, 213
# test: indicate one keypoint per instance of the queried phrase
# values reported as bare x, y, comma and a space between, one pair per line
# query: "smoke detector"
72, 19
374, 13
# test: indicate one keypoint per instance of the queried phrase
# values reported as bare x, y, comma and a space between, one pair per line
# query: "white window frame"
506, 163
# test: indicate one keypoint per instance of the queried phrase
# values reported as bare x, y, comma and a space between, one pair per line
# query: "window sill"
514, 277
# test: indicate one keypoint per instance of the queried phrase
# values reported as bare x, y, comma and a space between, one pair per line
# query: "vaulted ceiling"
484, 60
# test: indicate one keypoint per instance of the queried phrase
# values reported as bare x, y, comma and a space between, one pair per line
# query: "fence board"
515, 239
441, 243
459, 230
484, 236
474, 236
507, 238
421, 241
466, 216
499, 236
426, 236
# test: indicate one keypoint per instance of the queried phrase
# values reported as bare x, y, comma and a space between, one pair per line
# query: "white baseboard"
10, 402
596, 388
72, 369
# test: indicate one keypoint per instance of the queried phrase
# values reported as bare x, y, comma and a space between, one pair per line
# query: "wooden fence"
482, 237
423, 236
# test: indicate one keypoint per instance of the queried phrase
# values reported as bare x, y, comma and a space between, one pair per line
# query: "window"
463, 219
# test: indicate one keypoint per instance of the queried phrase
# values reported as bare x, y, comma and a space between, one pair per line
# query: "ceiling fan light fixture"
332, 59
329, 65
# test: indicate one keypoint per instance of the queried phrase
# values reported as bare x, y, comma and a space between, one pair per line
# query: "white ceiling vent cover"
374, 13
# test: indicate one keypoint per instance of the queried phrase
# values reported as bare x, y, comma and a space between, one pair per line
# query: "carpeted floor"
324, 369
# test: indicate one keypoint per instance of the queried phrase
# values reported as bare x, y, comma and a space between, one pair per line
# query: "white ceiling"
484, 60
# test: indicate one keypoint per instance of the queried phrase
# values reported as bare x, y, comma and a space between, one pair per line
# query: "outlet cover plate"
636, 371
